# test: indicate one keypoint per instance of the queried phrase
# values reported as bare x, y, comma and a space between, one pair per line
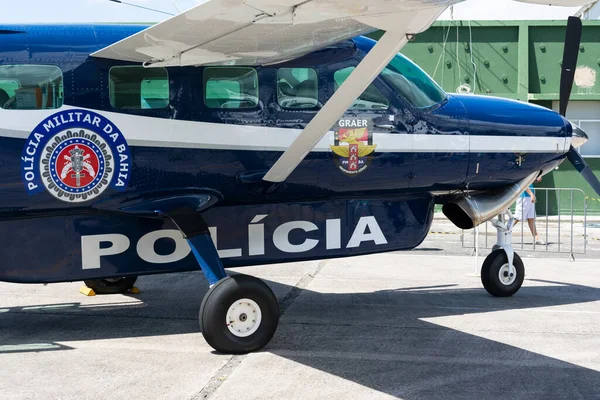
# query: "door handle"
389, 127
252, 176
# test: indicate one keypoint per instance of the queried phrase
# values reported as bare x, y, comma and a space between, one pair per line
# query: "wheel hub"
506, 278
243, 318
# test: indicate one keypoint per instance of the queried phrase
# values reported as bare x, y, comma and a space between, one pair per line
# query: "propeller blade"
584, 169
569, 65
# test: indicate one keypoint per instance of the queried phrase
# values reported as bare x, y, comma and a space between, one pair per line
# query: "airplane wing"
263, 32
260, 32
562, 3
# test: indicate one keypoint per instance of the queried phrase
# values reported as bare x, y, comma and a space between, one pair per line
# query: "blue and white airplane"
245, 132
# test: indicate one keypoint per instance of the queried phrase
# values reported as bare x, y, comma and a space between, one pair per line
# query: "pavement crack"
217, 380
293, 294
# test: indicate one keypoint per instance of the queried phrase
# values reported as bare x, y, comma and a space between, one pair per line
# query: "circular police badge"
75, 155
78, 165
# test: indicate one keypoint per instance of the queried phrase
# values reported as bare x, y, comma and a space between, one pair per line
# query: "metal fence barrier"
563, 232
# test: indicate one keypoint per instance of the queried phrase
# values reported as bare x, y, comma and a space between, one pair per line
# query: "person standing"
526, 210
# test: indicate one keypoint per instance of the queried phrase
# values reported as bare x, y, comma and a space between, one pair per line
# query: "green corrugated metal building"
520, 60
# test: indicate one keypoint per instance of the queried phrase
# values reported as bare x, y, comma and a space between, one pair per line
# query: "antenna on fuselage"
138, 6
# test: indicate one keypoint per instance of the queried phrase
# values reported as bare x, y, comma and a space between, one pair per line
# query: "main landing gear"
503, 272
111, 285
239, 314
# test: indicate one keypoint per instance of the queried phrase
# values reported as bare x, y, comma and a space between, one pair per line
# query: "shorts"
525, 209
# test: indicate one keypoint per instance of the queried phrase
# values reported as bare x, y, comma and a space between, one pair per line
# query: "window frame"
299, 109
61, 88
110, 85
227, 109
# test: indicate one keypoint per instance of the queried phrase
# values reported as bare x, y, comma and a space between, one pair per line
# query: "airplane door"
292, 96
440, 145
369, 136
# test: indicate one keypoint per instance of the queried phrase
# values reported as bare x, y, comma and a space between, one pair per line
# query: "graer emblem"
357, 134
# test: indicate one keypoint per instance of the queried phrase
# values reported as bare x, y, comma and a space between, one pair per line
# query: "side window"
230, 87
297, 88
138, 88
31, 87
370, 99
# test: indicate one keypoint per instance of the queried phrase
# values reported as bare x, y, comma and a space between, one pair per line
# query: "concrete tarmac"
401, 325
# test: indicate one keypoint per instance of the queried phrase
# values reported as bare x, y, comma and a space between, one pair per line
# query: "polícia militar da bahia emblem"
353, 145
75, 155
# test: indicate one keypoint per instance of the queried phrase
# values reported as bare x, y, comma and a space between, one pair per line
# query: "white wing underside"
262, 32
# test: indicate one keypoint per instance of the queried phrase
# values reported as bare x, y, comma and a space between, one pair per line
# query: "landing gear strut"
239, 314
503, 272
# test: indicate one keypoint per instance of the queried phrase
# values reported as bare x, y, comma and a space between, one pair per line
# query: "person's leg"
531, 222
518, 216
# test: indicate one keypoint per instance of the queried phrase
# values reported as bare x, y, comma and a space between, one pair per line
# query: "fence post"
547, 219
585, 237
559, 208
476, 250
572, 226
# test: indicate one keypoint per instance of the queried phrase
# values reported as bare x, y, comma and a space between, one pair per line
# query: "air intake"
467, 212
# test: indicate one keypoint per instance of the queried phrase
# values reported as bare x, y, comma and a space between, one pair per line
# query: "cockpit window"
370, 99
297, 88
412, 83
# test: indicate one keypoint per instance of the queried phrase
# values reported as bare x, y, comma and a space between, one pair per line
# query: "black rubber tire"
490, 274
216, 303
105, 286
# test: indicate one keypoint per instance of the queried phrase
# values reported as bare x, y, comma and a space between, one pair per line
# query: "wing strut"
368, 69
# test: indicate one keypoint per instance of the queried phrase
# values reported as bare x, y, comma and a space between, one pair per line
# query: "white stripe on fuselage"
160, 132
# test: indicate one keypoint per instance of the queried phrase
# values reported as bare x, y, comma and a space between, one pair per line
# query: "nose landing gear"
503, 272
497, 277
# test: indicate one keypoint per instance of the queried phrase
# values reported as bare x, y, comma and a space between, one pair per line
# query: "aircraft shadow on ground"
376, 339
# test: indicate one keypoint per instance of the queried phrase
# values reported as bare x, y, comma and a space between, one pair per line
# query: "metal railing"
563, 233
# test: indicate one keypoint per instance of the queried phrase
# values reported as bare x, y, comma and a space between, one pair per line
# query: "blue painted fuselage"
42, 236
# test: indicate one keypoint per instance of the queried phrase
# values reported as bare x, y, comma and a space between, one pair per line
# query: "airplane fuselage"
371, 192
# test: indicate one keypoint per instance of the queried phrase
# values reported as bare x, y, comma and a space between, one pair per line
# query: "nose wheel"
238, 315
498, 278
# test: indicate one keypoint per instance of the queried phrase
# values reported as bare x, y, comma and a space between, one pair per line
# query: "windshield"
412, 83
